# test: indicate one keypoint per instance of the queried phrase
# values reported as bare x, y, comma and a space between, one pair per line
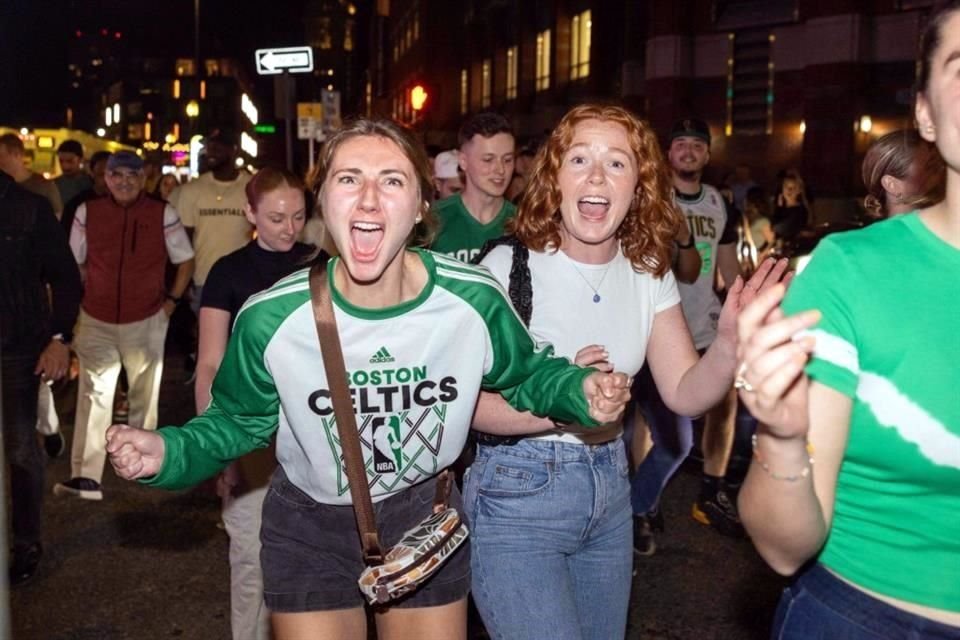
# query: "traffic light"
418, 97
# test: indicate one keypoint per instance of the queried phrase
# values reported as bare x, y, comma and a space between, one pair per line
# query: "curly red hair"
647, 232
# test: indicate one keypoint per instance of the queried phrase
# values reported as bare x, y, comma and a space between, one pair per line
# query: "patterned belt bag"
419, 554
423, 549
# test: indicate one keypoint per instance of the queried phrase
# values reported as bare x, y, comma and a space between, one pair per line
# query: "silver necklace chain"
595, 289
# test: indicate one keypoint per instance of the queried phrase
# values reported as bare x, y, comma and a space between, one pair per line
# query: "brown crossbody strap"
336, 373
343, 410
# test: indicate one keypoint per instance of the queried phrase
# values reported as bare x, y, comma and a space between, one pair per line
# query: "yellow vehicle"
41, 146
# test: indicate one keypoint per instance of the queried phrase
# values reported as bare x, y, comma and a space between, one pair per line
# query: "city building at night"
783, 84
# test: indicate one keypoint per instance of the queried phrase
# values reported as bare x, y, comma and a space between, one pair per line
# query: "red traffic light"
418, 97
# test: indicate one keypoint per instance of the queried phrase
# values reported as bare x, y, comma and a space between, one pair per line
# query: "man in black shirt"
34, 339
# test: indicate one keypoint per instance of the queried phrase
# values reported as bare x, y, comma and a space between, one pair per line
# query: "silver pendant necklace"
595, 289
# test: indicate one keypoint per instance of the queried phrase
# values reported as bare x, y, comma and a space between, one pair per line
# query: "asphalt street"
149, 564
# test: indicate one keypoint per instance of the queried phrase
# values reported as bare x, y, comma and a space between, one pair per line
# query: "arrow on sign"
290, 59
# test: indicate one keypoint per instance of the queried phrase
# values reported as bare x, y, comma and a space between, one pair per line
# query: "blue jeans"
820, 606
552, 539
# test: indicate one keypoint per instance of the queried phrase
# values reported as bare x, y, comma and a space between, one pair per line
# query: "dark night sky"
35, 37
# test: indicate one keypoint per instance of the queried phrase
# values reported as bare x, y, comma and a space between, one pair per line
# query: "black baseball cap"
223, 135
691, 127
71, 146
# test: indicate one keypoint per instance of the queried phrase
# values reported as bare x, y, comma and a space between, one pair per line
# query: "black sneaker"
720, 512
23, 564
84, 488
644, 542
54, 444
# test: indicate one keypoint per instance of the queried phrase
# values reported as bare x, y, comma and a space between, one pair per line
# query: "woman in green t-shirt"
860, 366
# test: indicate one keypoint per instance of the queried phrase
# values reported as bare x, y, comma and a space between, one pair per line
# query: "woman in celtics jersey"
550, 513
421, 335
870, 392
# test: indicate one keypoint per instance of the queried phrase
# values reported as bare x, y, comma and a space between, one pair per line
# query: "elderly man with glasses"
122, 242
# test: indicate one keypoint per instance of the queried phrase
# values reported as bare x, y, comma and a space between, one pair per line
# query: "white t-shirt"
565, 315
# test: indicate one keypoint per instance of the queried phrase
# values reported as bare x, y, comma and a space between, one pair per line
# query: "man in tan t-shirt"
211, 207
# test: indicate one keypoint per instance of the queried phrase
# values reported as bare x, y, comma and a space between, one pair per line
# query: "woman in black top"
276, 206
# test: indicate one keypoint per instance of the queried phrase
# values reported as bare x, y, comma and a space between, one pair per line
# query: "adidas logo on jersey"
381, 356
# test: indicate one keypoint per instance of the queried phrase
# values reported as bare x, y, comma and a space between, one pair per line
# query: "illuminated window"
348, 28
512, 74
416, 26
580, 45
485, 90
464, 91
185, 67
323, 38
176, 89
543, 60
368, 96
212, 67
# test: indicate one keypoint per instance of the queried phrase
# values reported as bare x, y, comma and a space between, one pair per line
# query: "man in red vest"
122, 242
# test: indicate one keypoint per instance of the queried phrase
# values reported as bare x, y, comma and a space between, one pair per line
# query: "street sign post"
284, 59
309, 118
309, 121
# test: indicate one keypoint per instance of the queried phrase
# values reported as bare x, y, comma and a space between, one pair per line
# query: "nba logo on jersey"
387, 444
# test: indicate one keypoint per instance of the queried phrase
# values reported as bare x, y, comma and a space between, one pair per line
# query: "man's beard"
688, 176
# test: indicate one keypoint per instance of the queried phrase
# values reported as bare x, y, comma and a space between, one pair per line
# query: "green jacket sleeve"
528, 375
242, 415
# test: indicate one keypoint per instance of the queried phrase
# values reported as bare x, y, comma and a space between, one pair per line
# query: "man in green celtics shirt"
477, 214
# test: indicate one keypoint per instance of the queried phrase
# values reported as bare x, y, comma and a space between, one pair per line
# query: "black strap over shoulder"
521, 286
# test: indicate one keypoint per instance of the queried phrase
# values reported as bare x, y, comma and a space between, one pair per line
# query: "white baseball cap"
445, 164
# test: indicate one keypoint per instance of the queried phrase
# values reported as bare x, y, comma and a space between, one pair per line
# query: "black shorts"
311, 556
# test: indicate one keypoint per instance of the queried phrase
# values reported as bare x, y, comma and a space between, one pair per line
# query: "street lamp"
193, 109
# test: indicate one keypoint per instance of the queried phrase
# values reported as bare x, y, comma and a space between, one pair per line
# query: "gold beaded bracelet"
766, 467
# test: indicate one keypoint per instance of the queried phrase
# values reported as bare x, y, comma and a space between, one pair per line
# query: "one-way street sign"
290, 59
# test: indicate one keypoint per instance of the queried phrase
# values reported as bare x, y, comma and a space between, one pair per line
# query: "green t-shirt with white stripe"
415, 372
890, 298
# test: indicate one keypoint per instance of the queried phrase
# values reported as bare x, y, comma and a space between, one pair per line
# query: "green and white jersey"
460, 234
706, 215
888, 339
415, 372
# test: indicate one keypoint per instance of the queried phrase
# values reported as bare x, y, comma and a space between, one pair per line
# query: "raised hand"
596, 356
607, 394
134, 453
770, 273
770, 376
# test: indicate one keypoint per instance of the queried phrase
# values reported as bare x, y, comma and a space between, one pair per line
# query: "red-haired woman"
550, 513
